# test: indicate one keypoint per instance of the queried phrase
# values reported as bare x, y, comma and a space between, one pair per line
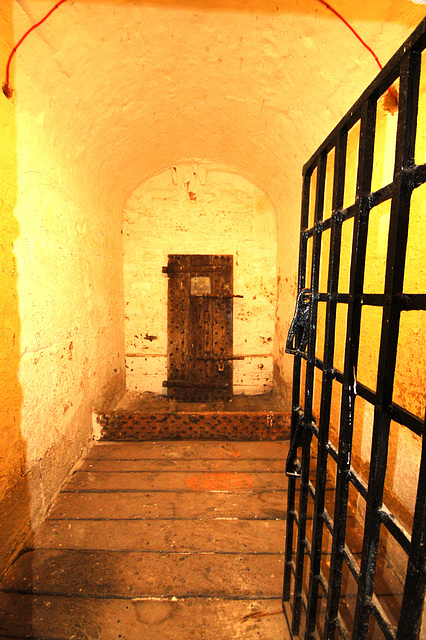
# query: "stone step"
209, 425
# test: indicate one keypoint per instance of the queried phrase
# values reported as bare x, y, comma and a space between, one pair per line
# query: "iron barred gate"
355, 547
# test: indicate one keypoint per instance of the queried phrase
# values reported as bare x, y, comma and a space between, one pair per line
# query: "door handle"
298, 333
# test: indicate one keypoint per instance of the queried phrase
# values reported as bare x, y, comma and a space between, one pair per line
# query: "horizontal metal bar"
347, 554
358, 483
319, 364
374, 299
326, 224
400, 534
344, 298
381, 617
340, 214
419, 174
404, 417
407, 301
308, 233
328, 520
343, 630
354, 476
413, 302
292, 566
352, 564
339, 376
366, 393
302, 354
380, 196
333, 451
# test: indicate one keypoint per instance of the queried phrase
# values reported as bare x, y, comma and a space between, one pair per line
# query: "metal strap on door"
321, 559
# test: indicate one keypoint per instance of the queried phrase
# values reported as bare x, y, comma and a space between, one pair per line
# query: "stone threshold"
123, 425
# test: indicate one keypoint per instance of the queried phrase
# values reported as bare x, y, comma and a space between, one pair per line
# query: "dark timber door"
346, 529
200, 304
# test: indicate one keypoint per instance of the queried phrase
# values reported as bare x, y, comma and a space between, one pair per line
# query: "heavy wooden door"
200, 304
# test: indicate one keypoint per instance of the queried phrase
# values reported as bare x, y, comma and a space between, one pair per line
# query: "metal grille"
346, 524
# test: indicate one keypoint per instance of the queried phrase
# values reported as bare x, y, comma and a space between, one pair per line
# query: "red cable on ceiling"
7, 89
391, 90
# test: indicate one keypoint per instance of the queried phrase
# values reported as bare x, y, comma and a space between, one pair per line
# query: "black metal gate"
355, 549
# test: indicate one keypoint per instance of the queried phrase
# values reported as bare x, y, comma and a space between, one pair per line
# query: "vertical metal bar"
309, 384
398, 231
306, 201
320, 192
415, 583
291, 492
365, 165
327, 385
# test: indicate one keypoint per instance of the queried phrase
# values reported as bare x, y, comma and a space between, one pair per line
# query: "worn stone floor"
152, 402
157, 540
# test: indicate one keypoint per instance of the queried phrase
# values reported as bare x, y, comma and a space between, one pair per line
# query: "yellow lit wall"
13, 489
62, 344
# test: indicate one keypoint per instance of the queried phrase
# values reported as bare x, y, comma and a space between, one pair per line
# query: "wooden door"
200, 305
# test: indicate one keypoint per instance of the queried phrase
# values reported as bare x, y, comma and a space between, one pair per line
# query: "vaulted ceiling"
125, 88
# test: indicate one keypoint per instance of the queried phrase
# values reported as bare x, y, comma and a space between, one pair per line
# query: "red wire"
7, 86
356, 34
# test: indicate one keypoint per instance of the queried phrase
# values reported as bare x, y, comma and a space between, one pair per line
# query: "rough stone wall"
194, 208
62, 343
12, 444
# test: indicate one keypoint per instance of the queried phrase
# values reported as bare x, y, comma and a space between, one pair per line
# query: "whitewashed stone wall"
196, 209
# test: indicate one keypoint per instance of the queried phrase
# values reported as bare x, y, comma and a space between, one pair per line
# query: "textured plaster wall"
12, 444
62, 310
195, 208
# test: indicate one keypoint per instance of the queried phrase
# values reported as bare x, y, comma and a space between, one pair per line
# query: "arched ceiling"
127, 87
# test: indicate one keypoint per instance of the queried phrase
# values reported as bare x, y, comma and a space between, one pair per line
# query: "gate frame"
405, 65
